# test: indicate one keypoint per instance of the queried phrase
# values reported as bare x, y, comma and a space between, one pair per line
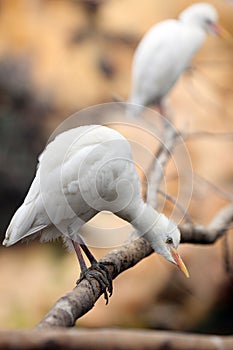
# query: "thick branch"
111, 339
81, 299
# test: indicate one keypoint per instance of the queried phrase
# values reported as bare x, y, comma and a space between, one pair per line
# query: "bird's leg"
100, 266
78, 252
161, 109
88, 273
164, 108
97, 270
92, 259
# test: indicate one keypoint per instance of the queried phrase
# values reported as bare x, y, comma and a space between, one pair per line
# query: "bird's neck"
147, 222
195, 29
142, 217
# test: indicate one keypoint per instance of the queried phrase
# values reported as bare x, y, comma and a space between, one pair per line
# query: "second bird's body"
166, 51
162, 56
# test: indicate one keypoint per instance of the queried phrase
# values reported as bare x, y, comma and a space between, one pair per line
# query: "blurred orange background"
57, 57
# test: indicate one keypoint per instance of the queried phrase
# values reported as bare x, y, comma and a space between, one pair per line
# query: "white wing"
161, 57
77, 170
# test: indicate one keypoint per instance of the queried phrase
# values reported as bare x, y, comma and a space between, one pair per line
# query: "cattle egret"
81, 172
166, 51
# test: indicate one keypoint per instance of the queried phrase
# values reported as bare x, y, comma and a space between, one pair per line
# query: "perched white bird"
81, 172
166, 51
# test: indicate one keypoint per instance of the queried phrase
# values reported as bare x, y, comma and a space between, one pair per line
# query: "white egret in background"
83, 171
166, 51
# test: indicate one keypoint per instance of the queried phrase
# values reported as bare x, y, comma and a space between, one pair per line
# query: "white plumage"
81, 172
166, 51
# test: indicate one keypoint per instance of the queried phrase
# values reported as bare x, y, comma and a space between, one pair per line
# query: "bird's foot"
100, 273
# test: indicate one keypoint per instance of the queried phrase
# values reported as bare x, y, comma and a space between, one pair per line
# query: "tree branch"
94, 339
207, 235
161, 158
173, 200
224, 136
81, 299
226, 195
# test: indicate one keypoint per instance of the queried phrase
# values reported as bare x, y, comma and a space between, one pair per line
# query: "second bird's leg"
164, 108
97, 270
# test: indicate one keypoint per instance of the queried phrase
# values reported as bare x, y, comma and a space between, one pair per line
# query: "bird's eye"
169, 240
208, 21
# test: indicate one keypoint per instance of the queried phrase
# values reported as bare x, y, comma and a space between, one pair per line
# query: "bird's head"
164, 238
202, 15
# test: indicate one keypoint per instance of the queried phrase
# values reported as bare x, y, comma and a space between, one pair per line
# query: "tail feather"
23, 224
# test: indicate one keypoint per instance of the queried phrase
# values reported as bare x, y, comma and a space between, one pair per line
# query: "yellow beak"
225, 34
221, 31
179, 261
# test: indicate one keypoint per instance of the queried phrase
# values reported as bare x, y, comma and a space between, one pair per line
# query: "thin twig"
225, 136
173, 200
217, 189
161, 159
177, 204
208, 235
212, 82
193, 88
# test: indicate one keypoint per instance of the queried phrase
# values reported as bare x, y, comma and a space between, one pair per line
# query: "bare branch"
224, 136
161, 158
179, 205
226, 256
209, 234
195, 87
98, 339
217, 189
173, 200
81, 299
